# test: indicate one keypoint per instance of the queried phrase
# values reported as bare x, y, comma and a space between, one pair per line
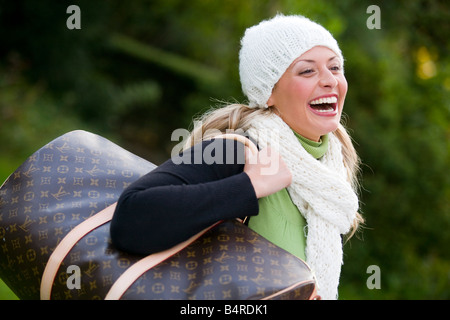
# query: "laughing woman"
291, 70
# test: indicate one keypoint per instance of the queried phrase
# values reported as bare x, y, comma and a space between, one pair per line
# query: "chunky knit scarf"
320, 191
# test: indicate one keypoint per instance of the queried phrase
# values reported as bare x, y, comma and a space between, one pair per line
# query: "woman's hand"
267, 171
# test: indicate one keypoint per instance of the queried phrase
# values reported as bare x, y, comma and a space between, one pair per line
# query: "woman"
298, 190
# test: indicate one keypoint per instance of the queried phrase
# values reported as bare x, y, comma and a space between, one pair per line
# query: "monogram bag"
55, 212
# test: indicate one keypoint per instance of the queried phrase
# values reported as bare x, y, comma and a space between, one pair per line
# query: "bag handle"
67, 243
127, 278
136, 270
130, 275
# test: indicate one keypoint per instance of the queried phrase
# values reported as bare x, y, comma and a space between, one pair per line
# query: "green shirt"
279, 219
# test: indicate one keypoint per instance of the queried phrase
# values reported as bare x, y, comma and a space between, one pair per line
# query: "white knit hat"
269, 48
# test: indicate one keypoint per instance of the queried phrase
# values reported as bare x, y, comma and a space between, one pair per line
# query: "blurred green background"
137, 70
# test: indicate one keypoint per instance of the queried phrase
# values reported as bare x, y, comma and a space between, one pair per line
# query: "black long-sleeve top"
177, 200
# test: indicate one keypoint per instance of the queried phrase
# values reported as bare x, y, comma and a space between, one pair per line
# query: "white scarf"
320, 191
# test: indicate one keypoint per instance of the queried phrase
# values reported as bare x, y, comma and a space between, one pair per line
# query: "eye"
307, 71
335, 68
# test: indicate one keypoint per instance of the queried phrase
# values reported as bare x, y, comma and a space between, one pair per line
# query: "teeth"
324, 100
324, 110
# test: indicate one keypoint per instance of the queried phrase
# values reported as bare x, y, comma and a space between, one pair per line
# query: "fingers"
267, 160
270, 159
267, 171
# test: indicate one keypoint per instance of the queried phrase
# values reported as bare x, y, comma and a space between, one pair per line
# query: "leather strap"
139, 268
67, 243
135, 271
127, 278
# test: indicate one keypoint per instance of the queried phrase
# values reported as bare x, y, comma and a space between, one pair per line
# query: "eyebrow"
313, 61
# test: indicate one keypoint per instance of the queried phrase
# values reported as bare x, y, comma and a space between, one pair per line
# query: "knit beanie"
269, 48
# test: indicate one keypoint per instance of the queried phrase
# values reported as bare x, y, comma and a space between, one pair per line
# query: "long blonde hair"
236, 117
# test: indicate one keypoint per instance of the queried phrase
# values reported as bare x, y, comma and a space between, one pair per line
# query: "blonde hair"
237, 117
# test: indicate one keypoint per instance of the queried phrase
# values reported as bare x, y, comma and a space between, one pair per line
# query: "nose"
327, 79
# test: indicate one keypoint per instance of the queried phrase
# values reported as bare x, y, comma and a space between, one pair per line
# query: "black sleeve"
183, 196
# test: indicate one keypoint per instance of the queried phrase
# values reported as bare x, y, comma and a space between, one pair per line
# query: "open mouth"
324, 106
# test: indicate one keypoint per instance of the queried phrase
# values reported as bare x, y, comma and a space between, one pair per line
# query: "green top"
279, 219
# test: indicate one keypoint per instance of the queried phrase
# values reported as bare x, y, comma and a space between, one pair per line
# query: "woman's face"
310, 95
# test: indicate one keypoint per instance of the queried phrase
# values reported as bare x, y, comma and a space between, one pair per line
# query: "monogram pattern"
228, 262
79, 174
58, 187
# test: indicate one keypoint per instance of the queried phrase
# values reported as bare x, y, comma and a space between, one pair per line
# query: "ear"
271, 101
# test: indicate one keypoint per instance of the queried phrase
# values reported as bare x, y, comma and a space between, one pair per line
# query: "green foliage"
177, 64
137, 70
29, 115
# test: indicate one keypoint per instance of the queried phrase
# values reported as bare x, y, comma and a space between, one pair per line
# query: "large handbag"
55, 212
